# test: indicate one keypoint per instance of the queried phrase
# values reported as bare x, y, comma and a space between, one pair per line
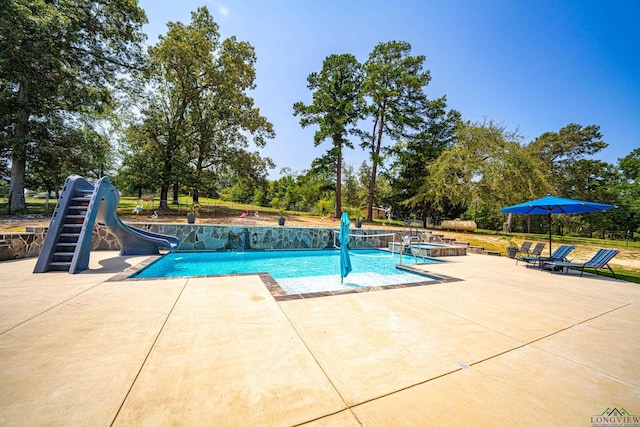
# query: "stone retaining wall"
22, 245
208, 237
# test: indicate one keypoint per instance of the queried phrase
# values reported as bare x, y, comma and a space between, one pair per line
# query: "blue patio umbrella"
549, 205
345, 260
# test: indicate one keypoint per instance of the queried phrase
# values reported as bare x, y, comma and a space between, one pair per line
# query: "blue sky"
535, 66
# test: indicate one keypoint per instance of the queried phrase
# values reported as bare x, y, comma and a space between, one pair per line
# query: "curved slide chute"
68, 241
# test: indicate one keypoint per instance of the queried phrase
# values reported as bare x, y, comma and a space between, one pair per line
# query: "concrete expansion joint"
146, 357
466, 366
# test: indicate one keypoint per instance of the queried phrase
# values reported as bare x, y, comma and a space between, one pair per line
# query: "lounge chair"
559, 255
537, 249
524, 249
599, 260
536, 252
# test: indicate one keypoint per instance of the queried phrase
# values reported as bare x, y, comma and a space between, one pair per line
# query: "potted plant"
192, 212
512, 249
282, 219
357, 214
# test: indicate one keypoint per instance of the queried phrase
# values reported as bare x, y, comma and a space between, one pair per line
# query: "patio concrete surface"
506, 345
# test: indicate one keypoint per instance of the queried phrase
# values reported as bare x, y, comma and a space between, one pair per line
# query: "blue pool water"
295, 271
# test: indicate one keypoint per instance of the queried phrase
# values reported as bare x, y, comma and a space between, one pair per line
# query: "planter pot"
511, 252
358, 224
191, 218
281, 221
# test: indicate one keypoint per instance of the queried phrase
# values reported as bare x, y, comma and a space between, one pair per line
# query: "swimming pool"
296, 272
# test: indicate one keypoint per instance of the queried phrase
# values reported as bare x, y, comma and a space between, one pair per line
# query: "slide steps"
67, 243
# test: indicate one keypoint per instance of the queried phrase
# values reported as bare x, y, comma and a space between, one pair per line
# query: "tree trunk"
164, 195
19, 155
336, 142
199, 169
164, 184
372, 190
506, 227
16, 187
374, 170
176, 194
423, 214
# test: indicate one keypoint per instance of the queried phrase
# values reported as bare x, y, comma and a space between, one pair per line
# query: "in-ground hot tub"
428, 249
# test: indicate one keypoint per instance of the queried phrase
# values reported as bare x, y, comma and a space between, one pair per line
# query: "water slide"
67, 243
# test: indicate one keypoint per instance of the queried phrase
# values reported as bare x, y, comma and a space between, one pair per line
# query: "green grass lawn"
208, 207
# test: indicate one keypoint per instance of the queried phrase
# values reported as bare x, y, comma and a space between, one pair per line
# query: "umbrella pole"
549, 233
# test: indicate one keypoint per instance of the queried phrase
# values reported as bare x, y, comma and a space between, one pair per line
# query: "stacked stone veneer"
22, 245
207, 237
238, 238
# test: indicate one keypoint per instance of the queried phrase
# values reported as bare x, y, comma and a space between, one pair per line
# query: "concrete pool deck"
506, 345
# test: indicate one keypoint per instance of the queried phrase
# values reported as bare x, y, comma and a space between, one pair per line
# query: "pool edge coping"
276, 290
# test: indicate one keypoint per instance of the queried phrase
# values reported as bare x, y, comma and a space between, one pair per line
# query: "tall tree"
597, 181
394, 83
59, 59
336, 108
629, 189
486, 163
630, 167
224, 115
197, 112
177, 74
413, 155
558, 151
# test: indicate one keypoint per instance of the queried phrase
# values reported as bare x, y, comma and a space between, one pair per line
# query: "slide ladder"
67, 244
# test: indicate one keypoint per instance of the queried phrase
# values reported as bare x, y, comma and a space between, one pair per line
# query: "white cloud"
223, 10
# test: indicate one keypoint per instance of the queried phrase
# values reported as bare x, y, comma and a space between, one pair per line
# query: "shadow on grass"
621, 276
